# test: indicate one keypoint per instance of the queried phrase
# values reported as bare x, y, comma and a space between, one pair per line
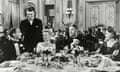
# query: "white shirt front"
111, 42
31, 22
17, 49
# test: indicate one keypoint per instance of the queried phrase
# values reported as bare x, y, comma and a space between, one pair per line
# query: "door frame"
100, 0
92, 1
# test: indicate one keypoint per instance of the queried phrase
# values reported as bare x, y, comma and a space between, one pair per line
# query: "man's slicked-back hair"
75, 26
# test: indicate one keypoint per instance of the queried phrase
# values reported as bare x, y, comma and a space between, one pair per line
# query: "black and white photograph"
59, 35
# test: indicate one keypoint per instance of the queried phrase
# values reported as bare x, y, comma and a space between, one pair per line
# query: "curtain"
10, 14
65, 4
74, 11
21, 5
1, 5
6, 14
81, 14
58, 16
15, 14
41, 9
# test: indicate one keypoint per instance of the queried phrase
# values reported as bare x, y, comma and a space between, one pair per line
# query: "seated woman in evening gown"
110, 46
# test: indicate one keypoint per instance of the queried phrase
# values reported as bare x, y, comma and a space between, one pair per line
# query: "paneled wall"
5, 13
61, 17
103, 12
10, 11
58, 18
81, 14
1, 12
118, 16
14, 13
0, 5
86, 12
92, 12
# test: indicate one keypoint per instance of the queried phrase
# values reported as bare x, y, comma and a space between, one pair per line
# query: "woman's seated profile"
111, 45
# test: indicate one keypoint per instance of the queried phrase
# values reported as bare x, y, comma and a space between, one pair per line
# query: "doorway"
100, 12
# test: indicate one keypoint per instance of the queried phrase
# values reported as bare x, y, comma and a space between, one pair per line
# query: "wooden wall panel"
118, 16
41, 9
94, 15
80, 10
50, 2
14, 14
6, 13
110, 14
101, 12
0, 5
74, 2
81, 14
58, 14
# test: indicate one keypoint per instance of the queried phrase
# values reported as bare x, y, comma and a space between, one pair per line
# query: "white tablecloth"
67, 68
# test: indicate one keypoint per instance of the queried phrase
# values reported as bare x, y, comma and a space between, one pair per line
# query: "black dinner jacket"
32, 33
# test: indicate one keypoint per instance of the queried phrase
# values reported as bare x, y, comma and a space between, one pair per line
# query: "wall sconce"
69, 12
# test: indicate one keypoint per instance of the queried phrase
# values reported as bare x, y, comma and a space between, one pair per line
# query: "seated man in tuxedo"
7, 48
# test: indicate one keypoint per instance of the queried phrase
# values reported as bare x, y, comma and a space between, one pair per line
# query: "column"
58, 14
41, 9
6, 12
21, 5
118, 16
81, 14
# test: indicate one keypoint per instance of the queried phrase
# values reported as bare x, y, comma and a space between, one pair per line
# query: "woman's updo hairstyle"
30, 6
112, 31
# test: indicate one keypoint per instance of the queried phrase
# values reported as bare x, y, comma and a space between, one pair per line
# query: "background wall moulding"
101, 0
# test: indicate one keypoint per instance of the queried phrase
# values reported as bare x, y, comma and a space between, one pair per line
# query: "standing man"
31, 29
